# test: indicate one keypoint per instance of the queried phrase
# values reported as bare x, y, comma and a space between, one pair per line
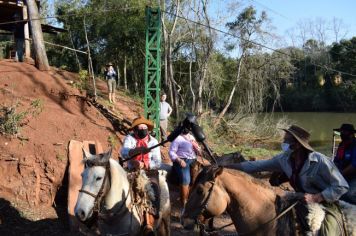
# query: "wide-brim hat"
346, 127
301, 135
141, 120
109, 64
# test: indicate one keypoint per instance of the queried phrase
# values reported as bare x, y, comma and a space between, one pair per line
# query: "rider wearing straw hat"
308, 172
137, 144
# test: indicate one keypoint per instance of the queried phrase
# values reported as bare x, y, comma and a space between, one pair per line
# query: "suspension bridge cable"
70, 14
253, 42
181, 17
271, 10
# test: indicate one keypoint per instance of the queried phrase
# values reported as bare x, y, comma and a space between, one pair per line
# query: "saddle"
145, 190
147, 196
307, 219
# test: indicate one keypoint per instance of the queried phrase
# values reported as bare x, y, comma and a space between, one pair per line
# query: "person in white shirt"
165, 112
136, 145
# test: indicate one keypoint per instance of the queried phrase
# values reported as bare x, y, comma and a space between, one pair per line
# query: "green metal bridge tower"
153, 67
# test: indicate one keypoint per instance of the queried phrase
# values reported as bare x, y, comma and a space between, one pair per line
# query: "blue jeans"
19, 49
183, 174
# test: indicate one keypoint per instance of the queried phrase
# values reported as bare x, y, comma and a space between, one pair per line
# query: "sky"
287, 14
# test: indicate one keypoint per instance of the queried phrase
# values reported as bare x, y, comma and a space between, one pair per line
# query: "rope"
253, 42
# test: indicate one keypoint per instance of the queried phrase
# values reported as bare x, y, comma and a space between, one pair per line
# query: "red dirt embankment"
32, 165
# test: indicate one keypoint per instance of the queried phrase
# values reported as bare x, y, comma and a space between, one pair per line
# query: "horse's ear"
107, 155
86, 154
218, 171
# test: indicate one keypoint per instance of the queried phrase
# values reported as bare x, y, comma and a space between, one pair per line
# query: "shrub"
82, 82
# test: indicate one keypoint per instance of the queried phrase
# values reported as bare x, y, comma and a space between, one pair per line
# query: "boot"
113, 98
110, 98
184, 193
149, 227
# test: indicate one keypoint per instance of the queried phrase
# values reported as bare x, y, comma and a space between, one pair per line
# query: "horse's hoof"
148, 231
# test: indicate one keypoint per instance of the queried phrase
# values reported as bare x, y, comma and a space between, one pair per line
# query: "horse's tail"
163, 223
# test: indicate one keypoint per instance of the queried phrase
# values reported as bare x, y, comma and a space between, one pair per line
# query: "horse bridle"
206, 201
99, 195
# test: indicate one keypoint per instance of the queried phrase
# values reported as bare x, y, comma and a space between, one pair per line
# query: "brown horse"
249, 202
254, 207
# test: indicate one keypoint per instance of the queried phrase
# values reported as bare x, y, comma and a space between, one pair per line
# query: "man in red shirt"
345, 160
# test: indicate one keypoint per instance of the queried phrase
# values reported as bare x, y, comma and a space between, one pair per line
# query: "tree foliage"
196, 74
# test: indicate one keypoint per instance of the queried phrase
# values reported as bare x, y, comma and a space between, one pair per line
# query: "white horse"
106, 189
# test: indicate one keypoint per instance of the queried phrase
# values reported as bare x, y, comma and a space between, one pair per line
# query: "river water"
320, 125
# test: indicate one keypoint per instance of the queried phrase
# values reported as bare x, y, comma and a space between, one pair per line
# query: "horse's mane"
248, 177
209, 169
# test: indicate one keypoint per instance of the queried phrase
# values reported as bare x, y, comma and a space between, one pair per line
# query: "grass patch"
135, 96
254, 138
11, 120
37, 107
60, 157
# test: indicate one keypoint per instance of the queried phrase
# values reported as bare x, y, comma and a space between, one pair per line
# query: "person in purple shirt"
183, 153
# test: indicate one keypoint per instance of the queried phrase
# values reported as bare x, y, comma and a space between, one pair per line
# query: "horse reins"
206, 201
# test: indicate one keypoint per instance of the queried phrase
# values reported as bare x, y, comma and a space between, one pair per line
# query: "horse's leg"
164, 229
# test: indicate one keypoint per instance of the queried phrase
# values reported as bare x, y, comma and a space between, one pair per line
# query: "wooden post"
26, 33
41, 60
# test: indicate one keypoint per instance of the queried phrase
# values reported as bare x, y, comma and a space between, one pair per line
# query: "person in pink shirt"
183, 153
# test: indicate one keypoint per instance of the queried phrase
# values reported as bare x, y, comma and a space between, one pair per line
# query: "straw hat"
301, 135
109, 64
141, 120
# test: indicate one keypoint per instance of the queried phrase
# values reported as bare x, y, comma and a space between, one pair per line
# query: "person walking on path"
183, 153
110, 76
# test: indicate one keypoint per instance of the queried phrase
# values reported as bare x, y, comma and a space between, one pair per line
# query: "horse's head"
207, 198
95, 183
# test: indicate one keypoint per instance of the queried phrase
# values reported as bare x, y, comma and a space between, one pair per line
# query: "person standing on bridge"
345, 160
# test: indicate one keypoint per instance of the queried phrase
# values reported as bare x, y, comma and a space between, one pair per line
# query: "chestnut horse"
253, 206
